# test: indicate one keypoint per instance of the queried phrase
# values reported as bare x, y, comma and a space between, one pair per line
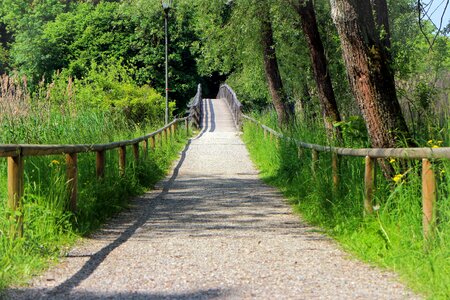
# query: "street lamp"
167, 5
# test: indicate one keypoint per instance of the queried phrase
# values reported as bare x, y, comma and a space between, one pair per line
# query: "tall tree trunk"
330, 112
369, 73
382, 21
272, 71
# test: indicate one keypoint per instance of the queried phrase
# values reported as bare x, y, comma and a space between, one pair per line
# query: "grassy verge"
392, 237
49, 229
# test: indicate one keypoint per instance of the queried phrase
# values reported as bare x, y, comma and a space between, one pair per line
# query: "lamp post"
166, 4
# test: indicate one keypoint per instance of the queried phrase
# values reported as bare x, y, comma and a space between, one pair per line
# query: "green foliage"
51, 36
354, 131
110, 87
392, 236
26, 19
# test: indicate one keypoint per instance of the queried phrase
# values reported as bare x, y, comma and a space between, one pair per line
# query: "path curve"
211, 230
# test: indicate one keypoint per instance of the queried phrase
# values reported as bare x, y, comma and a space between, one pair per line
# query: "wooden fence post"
265, 133
145, 149
299, 152
369, 184
186, 125
100, 164
15, 193
315, 161
428, 197
136, 152
166, 135
122, 160
174, 129
161, 138
335, 170
72, 180
152, 142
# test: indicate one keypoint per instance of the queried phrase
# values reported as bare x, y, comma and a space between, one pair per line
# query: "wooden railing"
370, 155
195, 108
227, 93
15, 155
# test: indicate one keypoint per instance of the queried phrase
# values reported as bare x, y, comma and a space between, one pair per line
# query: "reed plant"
392, 236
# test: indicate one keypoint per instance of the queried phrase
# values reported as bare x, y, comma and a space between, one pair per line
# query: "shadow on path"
209, 118
96, 259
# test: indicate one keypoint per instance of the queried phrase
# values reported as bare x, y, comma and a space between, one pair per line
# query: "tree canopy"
220, 41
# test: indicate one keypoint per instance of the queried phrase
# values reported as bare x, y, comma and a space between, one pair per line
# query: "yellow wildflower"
55, 162
392, 160
397, 178
435, 146
430, 142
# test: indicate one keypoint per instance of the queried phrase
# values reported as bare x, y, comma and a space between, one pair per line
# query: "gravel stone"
211, 230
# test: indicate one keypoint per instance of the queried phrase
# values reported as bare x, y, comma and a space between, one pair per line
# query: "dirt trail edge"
211, 230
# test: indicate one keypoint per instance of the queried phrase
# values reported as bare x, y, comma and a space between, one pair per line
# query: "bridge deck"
212, 229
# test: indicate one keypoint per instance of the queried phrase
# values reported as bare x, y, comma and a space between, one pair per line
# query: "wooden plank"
152, 142
136, 152
314, 161
15, 193
72, 180
299, 152
9, 150
186, 126
428, 198
175, 126
369, 184
335, 171
100, 164
122, 160
145, 148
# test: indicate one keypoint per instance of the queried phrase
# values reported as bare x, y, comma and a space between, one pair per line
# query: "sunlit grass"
392, 237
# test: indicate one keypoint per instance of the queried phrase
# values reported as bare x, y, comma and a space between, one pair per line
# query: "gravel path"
211, 230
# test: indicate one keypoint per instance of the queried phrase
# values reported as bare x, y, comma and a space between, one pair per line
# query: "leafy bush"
109, 87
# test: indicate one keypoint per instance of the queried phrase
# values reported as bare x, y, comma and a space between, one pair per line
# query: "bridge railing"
370, 155
227, 93
15, 163
195, 108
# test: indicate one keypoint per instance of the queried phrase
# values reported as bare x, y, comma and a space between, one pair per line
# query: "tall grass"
392, 236
49, 228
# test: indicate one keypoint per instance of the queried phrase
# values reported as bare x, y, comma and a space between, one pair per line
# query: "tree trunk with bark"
380, 9
272, 71
330, 112
370, 75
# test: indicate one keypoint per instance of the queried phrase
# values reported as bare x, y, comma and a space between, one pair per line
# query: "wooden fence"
15, 155
370, 154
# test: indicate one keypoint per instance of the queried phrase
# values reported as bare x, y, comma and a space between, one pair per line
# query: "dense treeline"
286, 52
